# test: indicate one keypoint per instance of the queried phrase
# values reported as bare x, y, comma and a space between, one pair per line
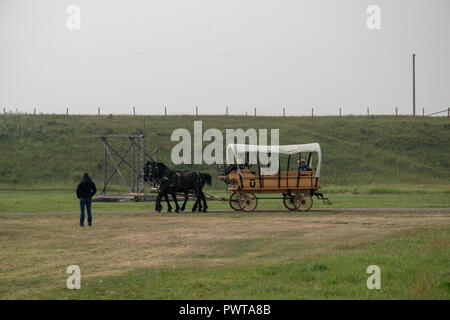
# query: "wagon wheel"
288, 201
248, 201
234, 201
303, 201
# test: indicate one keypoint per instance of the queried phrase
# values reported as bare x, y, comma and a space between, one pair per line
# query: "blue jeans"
85, 202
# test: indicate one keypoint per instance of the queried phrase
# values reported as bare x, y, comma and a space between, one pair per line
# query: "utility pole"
414, 84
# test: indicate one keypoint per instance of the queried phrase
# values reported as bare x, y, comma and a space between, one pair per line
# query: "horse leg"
158, 206
194, 208
199, 201
184, 203
174, 197
169, 207
203, 198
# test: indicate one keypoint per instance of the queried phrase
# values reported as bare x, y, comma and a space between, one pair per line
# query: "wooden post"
312, 112
98, 110
134, 111
340, 113
132, 165
255, 112
165, 111
226, 111
104, 165
448, 112
396, 111
284, 112
414, 84
196, 111
423, 112
4, 111
34, 111
367, 111
67, 111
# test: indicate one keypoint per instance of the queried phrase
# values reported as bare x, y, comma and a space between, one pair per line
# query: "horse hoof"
169, 211
177, 211
205, 211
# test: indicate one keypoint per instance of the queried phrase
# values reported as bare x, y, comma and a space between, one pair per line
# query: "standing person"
85, 191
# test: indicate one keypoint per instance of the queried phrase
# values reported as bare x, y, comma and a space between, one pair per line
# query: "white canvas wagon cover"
237, 151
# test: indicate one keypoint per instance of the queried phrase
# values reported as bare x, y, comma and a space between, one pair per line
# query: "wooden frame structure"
136, 148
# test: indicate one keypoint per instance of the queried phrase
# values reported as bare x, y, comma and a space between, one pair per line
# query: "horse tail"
207, 178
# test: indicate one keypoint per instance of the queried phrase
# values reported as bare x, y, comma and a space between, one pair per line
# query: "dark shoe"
90, 224
81, 225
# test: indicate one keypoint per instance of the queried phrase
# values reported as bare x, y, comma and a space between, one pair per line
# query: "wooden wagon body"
296, 187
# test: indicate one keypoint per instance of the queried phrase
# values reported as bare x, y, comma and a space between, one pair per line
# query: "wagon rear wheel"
288, 201
248, 201
303, 201
234, 201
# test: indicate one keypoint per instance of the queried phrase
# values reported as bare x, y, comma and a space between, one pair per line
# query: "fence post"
255, 112
284, 112
340, 112
4, 111
367, 111
67, 111
448, 112
423, 112
226, 111
34, 111
98, 110
312, 112
396, 111
165, 111
134, 111
196, 111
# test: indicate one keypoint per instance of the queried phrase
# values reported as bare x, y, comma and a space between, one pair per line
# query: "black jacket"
86, 188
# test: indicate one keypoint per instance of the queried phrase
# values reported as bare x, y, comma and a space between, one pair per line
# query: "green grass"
50, 151
340, 276
369, 162
356, 197
295, 260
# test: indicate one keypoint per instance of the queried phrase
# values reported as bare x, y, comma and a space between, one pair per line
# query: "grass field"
358, 197
46, 151
368, 162
228, 256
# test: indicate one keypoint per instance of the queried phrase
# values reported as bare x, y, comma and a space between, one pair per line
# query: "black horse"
170, 182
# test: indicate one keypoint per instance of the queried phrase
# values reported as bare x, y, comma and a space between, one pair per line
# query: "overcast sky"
267, 54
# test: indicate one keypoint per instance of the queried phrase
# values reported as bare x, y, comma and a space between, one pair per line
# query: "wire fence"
234, 111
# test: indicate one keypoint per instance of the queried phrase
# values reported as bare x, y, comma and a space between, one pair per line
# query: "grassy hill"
52, 150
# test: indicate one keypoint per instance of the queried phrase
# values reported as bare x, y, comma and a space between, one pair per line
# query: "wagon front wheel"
303, 201
248, 201
234, 201
288, 201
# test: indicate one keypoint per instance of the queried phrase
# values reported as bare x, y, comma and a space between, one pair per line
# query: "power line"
203, 54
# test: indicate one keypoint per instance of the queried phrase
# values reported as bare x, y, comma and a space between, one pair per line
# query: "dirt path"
342, 210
